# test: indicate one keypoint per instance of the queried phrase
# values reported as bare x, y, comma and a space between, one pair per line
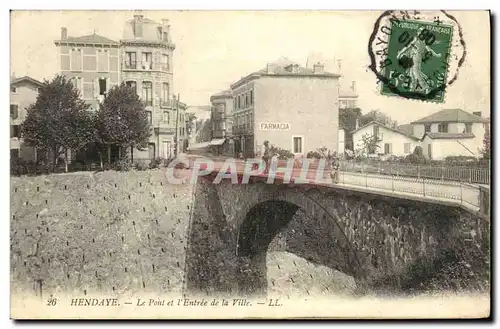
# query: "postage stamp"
416, 55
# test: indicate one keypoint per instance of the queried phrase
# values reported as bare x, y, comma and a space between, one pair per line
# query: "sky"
217, 48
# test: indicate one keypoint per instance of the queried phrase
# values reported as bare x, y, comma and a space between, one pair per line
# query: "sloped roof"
92, 38
386, 127
448, 135
26, 78
406, 128
451, 115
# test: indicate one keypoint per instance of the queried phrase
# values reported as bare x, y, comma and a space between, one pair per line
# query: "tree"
59, 120
486, 150
190, 118
376, 115
347, 120
122, 121
369, 143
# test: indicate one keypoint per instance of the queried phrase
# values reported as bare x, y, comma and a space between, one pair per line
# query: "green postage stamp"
414, 57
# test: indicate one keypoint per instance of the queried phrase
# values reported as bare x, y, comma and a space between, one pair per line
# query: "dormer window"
443, 128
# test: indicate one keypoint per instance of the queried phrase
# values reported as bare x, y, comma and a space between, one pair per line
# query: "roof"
224, 93
26, 78
448, 135
281, 67
386, 127
92, 38
406, 128
451, 115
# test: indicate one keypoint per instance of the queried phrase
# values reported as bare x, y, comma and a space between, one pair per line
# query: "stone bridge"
366, 235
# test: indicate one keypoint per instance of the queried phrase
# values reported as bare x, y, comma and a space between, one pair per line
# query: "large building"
143, 60
292, 107
91, 62
222, 122
23, 93
147, 53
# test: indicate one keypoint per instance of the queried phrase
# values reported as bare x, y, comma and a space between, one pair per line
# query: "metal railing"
476, 175
130, 65
460, 192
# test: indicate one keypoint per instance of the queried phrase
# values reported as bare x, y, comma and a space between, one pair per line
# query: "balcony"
130, 65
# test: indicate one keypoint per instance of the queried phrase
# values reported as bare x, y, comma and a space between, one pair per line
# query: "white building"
451, 132
392, 141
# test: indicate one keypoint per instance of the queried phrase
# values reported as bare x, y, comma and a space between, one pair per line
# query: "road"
429, 189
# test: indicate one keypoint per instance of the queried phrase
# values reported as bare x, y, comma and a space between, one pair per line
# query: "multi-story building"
23, 93
348, 97
147, 52
143, 60
91, 62
292, 107
222, 120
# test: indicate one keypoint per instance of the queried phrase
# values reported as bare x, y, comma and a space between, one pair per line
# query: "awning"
199, 145
217, 141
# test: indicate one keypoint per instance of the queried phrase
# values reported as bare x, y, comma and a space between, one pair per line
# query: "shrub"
281, 153
141, 165
314, 154
417, 157
156, 163
122, 165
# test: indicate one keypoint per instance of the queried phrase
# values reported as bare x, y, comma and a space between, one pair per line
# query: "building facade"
147, 52
142, 60
348, 97
222, 123
91, 62
23, 93
292, 107
391, 141
451, 132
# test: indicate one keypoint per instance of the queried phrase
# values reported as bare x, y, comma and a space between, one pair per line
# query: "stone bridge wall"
364, 235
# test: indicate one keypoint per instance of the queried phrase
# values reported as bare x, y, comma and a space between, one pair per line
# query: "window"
297, 144
15, 131
251, 97
387, 148
102, 86
165, 63
427, 127
407, 148
130, 60
132, 84
150, 117
13, 89
234, 103
78, 84
147, 92
468, 128
443, 128
147, 63
160, 32
166, 116
376, 130
14, 111
165, 92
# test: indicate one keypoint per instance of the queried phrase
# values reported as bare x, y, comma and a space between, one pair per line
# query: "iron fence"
478, 175
460, 192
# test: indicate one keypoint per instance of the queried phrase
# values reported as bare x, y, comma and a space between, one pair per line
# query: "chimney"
477, 113
64, 33
138, 25
318, 68
353, 86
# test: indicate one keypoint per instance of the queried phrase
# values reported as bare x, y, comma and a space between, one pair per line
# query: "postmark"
416, 55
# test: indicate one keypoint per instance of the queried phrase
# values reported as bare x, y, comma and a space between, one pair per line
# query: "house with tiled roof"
392, 141
451, 132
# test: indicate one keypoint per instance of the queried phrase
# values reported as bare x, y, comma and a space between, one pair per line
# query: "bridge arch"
317, 237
